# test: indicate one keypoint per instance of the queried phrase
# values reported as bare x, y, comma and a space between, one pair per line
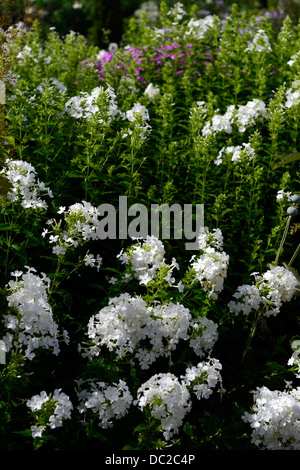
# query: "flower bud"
295, 198
292, 211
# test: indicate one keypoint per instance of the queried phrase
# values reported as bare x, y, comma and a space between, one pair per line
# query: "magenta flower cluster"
179, 56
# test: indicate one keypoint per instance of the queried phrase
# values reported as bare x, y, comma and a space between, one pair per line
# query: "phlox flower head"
79, 225
167, 324
239, 153
275, 419
118, 326
168, 401
260, 42
213, 239
24, 186
198, 28
128, 326
108, 402
270, 290
203, 378
204, 335
144, 258
51, 410
30, 324
100, 104
151, 91
210, 269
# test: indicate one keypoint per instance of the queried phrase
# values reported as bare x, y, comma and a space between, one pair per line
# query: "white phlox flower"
151, 91
79, 225
62, 408
275, 286
25, 188
239, 153
275, 419
100, 103
203, 378
168, 400
260, 42
204, 335
144, 258
31, 325
108, 402
210, 267
128, 326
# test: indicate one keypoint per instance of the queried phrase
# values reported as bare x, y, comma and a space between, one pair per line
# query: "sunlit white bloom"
24, 186
260, 42
167, 399
79, 225
238, 153
203, 336
127, 325
151, 91
108, 402
281, 194
293, 59
275, 419
198, 28
203, 378
292, 98
62, 407
100, 103
275, 286
30, 324
144, 259
211, 269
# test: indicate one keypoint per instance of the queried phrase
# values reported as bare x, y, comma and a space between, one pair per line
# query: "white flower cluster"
62, 407
198, 29
204, 335
239, 153
101, 103
25, 187
177, 12
151, 91
248, 114
81, 220
127, 325
166, 325
260, 42
220, 122
107, 401
51, 82
242, 116
292, 98
168, 399
31, 321
281, 194
201, 379
210, 267
293, 59
275, 419
275, 286
144, 259
138, 115
36, 55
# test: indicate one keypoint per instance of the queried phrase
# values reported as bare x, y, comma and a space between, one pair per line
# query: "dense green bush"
103, 335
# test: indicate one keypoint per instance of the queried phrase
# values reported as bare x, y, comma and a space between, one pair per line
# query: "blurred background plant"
104, 21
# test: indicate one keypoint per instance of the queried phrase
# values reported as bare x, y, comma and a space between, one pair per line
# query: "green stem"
283, 239
294, 255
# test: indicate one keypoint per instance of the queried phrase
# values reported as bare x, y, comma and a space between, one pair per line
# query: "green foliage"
166, 156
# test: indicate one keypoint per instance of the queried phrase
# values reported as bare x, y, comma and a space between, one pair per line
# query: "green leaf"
291, 157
